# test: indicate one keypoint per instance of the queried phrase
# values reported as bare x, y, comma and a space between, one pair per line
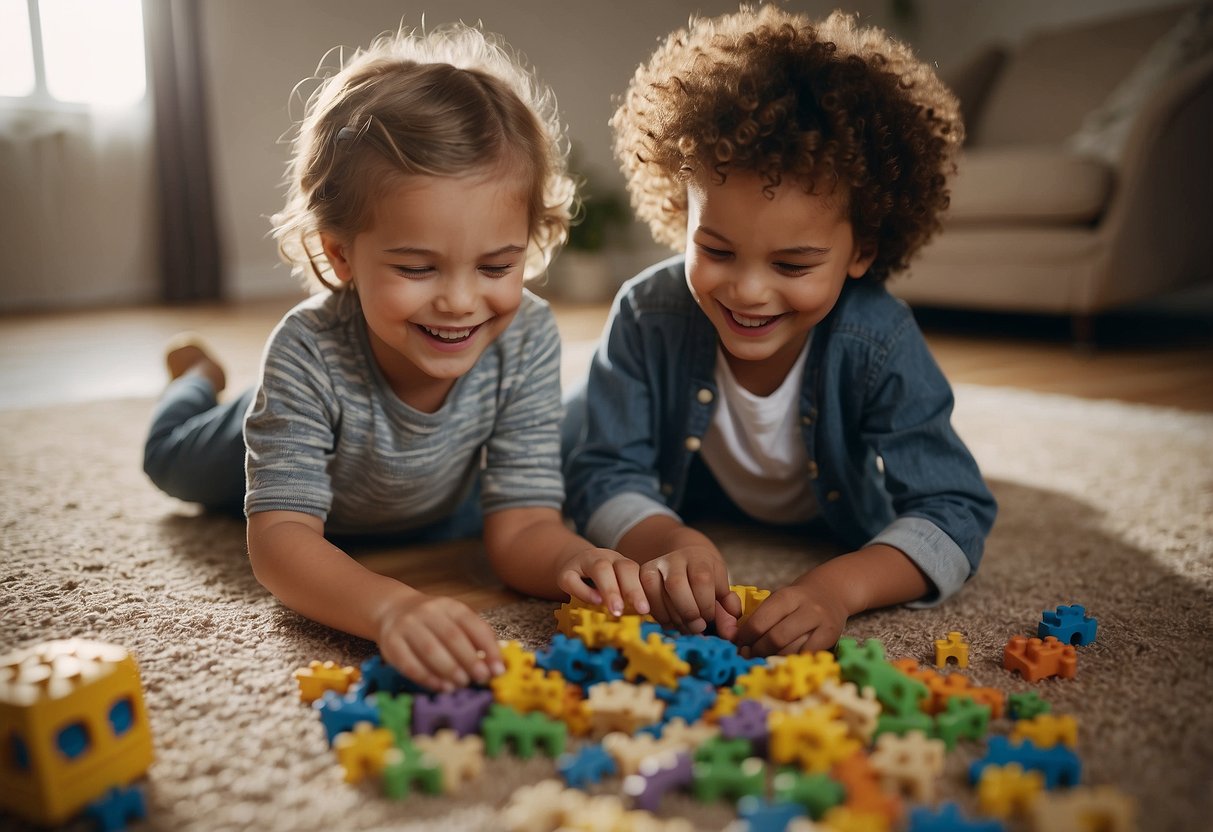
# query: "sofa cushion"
1055, 77
1028, 186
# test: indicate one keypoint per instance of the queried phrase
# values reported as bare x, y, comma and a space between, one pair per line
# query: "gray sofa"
1086, 181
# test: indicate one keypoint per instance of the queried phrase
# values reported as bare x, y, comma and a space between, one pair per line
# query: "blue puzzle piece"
1070, 625
689, 700
947, 818
762, 815
588, 765
116, 808
1059, 765
378, 675
341, 713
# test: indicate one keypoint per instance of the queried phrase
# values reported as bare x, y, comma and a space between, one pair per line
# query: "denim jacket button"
704, 396
693, 443
833, 496
812, 470
806, 420
667, 489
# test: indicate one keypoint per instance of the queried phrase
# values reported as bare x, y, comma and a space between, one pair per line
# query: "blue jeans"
195, 452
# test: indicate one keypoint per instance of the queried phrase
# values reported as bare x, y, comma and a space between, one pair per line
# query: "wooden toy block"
73, 726
361, 752
618, 706
815, 740
630, 751
1007, 791
654, 660
680, 734
859, 712
1035, 659
318, 677
952, 648
909, 764
1098, 807
459, 758
1047, 730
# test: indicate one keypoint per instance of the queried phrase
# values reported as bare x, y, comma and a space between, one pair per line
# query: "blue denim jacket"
885, 463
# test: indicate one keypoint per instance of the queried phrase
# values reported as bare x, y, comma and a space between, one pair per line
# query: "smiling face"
766, 270
438, 275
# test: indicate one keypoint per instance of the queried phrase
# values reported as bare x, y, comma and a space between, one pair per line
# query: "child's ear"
861, 260
339, 253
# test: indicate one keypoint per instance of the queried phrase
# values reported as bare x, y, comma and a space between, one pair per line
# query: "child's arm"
438, 642
683, 575
535, 553
809, 613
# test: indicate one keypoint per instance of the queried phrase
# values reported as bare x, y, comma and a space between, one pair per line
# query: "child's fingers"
654, 590
400, 656
572, 582
768, 614
627, 572
431, 641
728, 598
726, 622
602, 571
682, 602
486, 653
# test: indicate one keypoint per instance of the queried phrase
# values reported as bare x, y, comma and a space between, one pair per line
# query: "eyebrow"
425, 252
809, 251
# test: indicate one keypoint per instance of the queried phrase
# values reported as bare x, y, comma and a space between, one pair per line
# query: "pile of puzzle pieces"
840, 740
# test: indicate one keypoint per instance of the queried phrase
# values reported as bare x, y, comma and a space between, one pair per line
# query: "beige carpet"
1102, 504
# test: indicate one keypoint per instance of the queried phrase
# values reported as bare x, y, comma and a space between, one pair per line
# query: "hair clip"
346, 134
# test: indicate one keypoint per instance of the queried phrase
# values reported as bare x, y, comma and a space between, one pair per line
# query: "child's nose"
750, 287
458, 295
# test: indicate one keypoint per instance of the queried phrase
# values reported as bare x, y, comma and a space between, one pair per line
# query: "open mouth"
449, 335
750, 324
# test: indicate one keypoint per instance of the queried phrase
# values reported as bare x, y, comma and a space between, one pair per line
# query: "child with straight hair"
417, 392
766, 373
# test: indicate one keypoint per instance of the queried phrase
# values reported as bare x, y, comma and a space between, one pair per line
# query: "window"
85, 52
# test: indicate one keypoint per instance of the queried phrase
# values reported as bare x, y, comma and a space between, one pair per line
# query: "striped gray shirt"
327, 436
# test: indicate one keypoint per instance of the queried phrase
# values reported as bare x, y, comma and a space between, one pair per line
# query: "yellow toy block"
318, 677
909, 764
802, 674
1047, 730
1005, 791
751, 599
459, 758
515, 657
846, 819
725, 705
814, 739
952, 647
655, 659
531, 690
1098, 807
74, 725
361, 752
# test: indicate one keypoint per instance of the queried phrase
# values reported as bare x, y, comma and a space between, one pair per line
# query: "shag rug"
1103, 504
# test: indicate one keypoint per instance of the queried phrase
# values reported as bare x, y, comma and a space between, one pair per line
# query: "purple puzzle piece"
748, 722
657, 776
461, 709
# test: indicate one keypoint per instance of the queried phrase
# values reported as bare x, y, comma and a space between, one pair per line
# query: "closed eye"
792, 269
414, 271
714, 253
497, 271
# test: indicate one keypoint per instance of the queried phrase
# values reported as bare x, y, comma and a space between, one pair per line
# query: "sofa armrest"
971, 81
1157, 225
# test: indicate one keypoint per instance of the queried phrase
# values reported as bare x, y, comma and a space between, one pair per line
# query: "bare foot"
186, 354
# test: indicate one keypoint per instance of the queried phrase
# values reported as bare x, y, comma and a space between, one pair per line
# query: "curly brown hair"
773, 93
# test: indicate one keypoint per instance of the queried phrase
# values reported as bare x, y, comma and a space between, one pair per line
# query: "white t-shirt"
754, 449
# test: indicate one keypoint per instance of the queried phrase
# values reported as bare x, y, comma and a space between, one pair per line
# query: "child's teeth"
449, 334
745, 320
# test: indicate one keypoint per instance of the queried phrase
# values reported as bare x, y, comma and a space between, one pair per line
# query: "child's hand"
438, 642
615, 579
689, 587
798, 618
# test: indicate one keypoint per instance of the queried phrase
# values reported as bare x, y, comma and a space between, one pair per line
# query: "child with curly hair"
767, 373
417, 393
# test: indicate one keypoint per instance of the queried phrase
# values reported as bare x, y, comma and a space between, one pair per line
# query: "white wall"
97, 248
